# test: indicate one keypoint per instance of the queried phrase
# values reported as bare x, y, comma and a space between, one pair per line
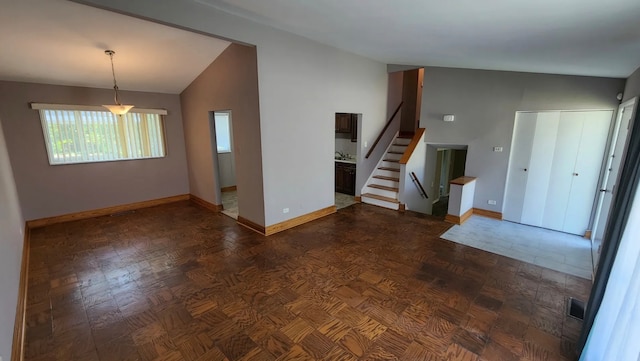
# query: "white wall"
302, 84
11, 240
484, 104
410, 195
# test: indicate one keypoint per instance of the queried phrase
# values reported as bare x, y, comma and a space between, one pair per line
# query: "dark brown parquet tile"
178, 282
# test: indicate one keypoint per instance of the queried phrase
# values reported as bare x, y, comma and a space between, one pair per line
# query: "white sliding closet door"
524, 128
539, 181
562, 165
554, 167
586, 172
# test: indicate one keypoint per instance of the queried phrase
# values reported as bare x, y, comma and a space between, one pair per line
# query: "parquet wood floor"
178, 282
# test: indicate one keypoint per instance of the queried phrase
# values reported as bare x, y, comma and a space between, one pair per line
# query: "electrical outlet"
492, 202
284, 210
497, 149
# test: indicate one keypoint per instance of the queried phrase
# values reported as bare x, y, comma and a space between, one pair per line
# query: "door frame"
607, 162
214, 147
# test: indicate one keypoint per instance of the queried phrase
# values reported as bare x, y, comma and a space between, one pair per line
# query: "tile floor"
230, 204
558, 251
344, 200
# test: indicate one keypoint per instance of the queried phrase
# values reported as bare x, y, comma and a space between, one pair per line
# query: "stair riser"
395, 148
404, 141
379, 203
390, 164
387, 173
392, 156
384, 182
382, 192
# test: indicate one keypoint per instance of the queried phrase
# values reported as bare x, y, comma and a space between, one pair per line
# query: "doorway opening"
450, 164
222, 141
346, 157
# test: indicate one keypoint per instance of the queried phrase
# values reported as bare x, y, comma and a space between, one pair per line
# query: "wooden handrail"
423, 193
384, 130
412, 146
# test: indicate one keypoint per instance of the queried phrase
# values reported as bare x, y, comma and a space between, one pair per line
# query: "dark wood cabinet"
347, 123
346, 178
354, 127
343, 123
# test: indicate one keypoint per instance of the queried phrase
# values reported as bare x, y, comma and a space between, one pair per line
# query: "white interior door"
539, 171
564, 159
586, 172
610, 174
523, 130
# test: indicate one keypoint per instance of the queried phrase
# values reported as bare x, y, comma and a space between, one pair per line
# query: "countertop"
462, 180
350, 161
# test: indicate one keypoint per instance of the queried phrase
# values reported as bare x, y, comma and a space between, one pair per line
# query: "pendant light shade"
117, 108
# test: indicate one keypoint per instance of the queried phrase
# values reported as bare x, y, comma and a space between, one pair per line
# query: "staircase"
382, 188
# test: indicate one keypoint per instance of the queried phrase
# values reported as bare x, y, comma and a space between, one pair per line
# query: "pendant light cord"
113, 72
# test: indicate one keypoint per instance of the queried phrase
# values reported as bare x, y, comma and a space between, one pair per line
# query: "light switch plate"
492, 202
497, 149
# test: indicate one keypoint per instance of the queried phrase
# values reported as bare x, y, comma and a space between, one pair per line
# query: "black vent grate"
575, 308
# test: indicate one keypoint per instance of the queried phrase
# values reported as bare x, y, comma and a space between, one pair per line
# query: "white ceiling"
580, 37
60, 42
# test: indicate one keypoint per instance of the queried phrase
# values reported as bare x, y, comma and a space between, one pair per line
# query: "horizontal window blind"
81, 136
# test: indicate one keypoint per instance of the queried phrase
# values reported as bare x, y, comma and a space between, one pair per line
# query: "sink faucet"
341, 155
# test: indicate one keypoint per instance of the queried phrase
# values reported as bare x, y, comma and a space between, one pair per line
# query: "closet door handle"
575, 174
525, 169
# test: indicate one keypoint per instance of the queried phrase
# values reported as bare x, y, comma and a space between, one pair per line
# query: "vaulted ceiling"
61, 42
580, 37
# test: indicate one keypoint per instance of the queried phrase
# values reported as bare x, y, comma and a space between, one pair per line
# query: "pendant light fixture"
117, 108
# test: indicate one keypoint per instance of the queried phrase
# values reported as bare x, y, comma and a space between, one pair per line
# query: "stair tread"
400, 145
389, 169
386, 188
381, 198
392, 152
393, 179
391, 160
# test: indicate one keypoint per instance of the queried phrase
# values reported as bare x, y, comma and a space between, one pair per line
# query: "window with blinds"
85, 136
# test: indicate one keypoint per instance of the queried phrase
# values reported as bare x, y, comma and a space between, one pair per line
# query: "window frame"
228, 134
143, 112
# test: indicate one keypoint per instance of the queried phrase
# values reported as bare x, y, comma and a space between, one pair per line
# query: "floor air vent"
575, 309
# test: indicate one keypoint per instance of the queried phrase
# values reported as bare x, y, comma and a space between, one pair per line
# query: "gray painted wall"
302, 84
484, 104
632, 87
229, 83
46, 190
11, 240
